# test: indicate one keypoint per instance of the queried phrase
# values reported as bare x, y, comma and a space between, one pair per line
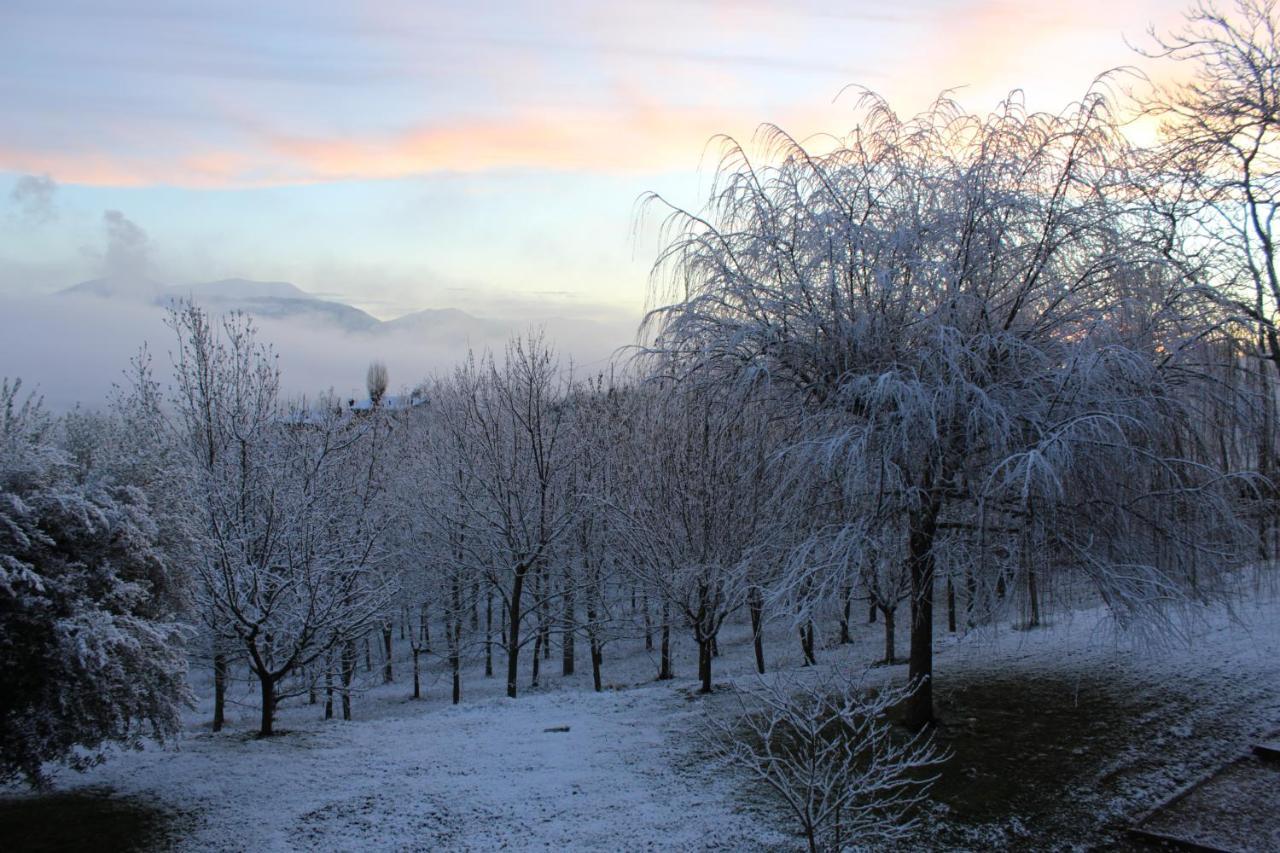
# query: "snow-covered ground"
628, 774
485, 775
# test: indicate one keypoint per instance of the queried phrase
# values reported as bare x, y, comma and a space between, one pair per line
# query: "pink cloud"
638, 138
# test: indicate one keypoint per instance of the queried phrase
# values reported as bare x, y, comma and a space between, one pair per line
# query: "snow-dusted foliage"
90, 652
1216, 174
966, 312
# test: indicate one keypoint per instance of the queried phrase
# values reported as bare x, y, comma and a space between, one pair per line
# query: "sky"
484, 155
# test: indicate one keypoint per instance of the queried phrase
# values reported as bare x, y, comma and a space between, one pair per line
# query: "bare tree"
283, 504
500, 453
695, 514
602, 428
1215, 182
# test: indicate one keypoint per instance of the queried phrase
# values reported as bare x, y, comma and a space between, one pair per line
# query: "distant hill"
243, 288
277, 300
283, 301
447, 325
117, 287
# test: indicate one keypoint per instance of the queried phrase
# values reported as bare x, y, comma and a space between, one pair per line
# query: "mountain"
243, 288
281, 301
276, 300
446, 325
309, 309
137, 288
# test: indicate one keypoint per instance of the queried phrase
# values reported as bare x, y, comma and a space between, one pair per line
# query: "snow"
1235, 810
476, 777
629, 773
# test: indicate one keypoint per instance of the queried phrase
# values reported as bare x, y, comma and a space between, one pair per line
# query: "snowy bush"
90, 651
830, 752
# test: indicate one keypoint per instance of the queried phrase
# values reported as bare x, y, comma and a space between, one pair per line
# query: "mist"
71, 350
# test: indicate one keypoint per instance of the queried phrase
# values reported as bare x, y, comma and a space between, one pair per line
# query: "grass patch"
89, 819
1049, 762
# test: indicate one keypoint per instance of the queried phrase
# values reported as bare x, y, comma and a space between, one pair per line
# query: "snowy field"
628, 773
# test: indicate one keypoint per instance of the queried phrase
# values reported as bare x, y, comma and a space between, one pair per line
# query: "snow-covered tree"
285, 506
697, 504
1215, 182
498, 460
91, 650
967, 318
601, 427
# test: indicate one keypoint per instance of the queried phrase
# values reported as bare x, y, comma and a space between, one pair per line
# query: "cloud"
33, 195
636, 137
128, 249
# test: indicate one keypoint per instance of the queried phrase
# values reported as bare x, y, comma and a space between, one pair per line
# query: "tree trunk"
513, 637
537, 657
890, 653
755, 605
971, 598
951, 604
544, 617
593, 640
806, 643
386, 650
704, 664
328, 685
268, 706
648, 622
417, 681
871, 614
1266, 520
919, 707
348, 675
664, 664
845, 639
453, 625
425, 622
219, 690
1033, 599
488, 634
566, 636
596, 657
455, 659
